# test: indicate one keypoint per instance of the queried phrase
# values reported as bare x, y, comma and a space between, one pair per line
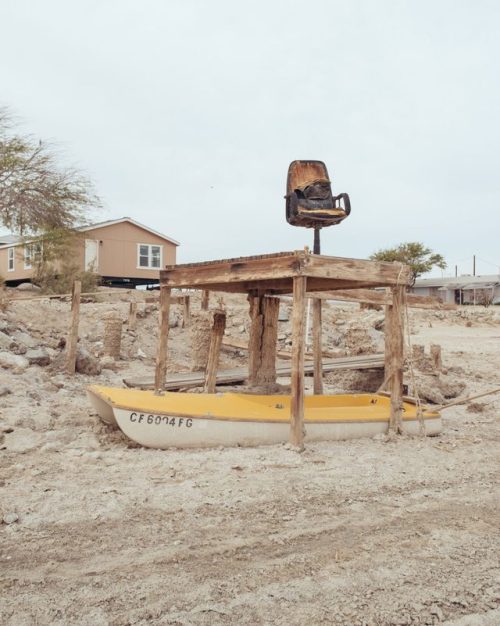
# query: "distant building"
121, 252
461, 289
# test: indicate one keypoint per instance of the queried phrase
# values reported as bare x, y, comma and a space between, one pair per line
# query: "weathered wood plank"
186, 380
361, 270
369, 296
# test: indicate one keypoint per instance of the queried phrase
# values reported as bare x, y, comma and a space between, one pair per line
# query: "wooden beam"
297, 375
228, 271
370, 296
286, 265
218, 327
317, 347
358, 270
161, 357
395, 347
72, 341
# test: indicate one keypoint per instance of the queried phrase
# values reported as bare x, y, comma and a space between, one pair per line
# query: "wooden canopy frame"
298, 273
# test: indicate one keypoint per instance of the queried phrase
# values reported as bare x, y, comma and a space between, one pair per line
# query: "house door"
91, 255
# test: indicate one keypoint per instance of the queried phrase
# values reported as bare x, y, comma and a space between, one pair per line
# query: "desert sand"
97, 531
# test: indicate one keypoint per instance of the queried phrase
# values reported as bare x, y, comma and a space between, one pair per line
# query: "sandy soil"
367, 532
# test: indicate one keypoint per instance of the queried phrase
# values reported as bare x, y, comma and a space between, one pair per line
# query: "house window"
149, 256
32, 252
10, 259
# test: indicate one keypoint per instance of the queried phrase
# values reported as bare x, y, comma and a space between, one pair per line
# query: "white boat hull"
164, 431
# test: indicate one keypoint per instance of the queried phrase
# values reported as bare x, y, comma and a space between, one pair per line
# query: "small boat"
193, 420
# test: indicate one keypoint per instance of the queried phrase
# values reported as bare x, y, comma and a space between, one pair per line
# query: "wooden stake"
436, 356
205, 297
132, 315
317, 348
161, 358
186, 312
218, 327
73, 333
297, 400
395, 356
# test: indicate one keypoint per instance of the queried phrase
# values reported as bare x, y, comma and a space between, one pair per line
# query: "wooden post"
132, 315
395, 346
112, 335
267, 370
264, 313
161, 357
255, 338
317, 348
297, 400
387, 333
73, 333
186, 311
205, 296
218, 327
436, 356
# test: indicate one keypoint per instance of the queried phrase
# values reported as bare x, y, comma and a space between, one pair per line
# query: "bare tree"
37, 194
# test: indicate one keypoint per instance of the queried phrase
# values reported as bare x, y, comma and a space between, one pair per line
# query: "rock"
27, 287
450, 388
86, 363
4, 391
10, 518
5, 341
476, 407
38, 356
13, 361
108, 363
378, 323
24, 339
141, 354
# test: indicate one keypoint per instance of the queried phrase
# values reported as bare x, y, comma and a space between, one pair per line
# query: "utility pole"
474, 265
456, 271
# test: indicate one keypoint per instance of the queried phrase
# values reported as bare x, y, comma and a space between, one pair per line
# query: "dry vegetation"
368, 532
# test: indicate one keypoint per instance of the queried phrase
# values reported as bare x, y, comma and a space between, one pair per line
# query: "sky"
187, 113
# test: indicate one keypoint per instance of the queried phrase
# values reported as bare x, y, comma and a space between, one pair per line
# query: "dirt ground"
368, 532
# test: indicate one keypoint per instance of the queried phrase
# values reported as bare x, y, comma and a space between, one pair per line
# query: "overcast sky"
187, 113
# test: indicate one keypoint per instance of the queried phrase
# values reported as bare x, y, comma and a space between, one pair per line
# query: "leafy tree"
420, 258
37, 193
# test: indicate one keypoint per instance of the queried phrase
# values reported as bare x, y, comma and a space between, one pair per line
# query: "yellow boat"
193, 420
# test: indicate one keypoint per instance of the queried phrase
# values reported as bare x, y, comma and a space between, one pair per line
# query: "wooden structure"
299, 273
